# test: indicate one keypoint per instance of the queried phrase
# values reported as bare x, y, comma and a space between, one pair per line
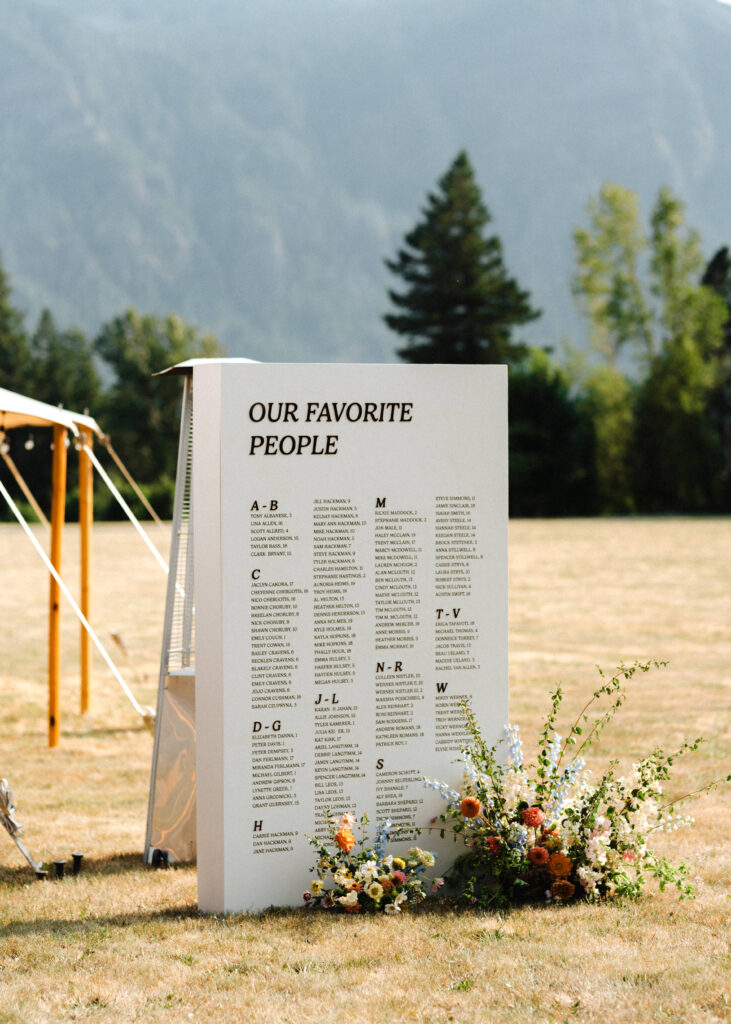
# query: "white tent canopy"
19, 411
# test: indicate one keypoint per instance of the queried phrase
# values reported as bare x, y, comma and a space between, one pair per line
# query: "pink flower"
437, 884
399, 876
629, 856
307, 896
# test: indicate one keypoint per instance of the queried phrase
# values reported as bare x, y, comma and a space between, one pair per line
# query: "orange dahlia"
470, 807
538, 855
532, 817
559, 865
345, 839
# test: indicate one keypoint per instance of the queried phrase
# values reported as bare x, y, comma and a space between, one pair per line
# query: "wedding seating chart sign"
350, 535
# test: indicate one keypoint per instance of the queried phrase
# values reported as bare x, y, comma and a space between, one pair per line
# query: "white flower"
350, 900
427, 859
369, 871
401, 898
588, 878
375, 890
391, 908
516, 788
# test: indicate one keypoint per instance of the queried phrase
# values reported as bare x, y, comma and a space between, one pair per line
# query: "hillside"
250, 165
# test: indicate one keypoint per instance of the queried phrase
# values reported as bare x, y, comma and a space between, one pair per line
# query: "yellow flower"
316, 887
398, 863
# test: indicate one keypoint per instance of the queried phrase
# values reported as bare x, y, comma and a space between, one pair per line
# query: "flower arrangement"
366, 880
548, 830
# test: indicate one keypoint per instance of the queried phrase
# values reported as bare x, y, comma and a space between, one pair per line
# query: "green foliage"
606, 284
14, 354
459, 304
550, 442
139, 411
62, 369
678, 455
717, 277
657, 447
142, 412
606, 400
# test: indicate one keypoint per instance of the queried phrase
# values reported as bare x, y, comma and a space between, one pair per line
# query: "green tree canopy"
717, 276
550, 442
63, 369
14, 353
606, 286
459, 304
142, 412
655, 447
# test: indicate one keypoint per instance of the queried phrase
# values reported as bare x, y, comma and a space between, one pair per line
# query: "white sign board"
350, 534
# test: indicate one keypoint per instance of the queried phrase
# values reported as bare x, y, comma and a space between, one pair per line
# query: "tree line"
639, 424
111, 377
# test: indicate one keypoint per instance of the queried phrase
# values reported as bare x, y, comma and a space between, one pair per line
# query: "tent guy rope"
146, 713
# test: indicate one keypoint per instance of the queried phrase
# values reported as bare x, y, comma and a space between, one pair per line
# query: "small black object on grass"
77, 858
160, 859
59, 865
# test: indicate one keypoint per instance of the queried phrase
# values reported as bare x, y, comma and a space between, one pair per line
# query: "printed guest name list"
356, 537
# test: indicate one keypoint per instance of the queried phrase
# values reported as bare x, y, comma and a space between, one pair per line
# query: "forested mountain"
248, 164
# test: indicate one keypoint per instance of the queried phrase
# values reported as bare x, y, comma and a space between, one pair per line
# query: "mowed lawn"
125, 943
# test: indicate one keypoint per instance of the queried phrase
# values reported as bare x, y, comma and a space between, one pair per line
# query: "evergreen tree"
550, 442
14, 354
459, 304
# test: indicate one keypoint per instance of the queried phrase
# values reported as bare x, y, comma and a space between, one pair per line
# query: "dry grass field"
125, 943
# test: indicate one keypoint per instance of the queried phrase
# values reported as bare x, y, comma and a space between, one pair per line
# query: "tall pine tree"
459, 305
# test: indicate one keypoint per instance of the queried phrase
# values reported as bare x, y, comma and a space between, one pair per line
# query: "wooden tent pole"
58, 514
86, 519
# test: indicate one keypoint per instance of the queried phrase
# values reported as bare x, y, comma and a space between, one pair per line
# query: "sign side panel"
209, 637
